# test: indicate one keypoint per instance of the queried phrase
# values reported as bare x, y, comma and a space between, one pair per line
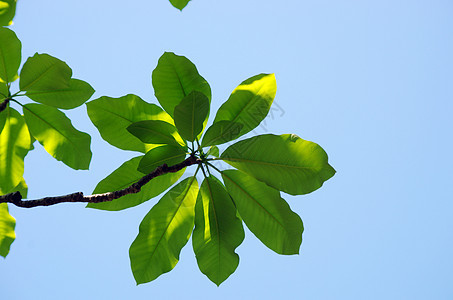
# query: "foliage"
263, 166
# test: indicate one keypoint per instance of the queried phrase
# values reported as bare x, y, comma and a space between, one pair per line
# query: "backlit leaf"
10, 54
7, 12
55, 132
154, 132
43, 72
221, 132
214, 151
126, 175
7, 225
165, 154
285, 162
163, 232
3, 91
218, 232
179, 4
264, 212
190, 115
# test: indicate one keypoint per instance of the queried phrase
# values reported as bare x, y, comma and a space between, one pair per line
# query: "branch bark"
4, 104
16, 198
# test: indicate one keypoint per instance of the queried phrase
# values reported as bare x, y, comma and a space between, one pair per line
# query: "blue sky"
370, 81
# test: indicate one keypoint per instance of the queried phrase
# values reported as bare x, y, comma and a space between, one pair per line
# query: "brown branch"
16, 198
4, 104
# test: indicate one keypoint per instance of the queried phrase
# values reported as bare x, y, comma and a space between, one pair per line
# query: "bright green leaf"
285, 162
154, 132
214, 151
218, 232
73, 96
7, 234
250, 102
264, 212
126, 175
43, 72
163, 232
221, 132
174, 78
190, 114
165, 154
179, 4
112, 116
7, 12
10, 54
55, 132
14, 145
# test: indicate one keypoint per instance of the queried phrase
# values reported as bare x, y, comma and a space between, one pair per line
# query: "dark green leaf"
165, 154
10, 54
218, 232
214, 151
221, 132
112, 116
154, 132
285, 162
163, 232
14, 145
3, 91
179, 4
7, 225
73, 96
43, 72
174, 78
126, 175
7, 12
55, 132
190, 115
249, 103
264, 212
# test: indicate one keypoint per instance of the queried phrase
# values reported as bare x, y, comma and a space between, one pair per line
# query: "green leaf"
126, 175
179, 4
249, 103
7, 12
218, 232
3, 91
163, 232
14, 146
264, 212
10, 54
165, 154
73, 96
112, 116
190, 115
174, 78
154, 132
214, 151
55, 132
285, 162
7, 234
221, 132
43, 72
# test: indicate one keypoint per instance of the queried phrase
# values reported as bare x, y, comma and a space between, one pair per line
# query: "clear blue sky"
370, 81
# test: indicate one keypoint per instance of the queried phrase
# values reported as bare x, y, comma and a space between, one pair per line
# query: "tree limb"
4, 104
16, 198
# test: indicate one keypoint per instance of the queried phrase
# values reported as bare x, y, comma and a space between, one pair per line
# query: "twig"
16, 198
4, 104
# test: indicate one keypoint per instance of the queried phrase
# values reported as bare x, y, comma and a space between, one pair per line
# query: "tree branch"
4, 104
16, 198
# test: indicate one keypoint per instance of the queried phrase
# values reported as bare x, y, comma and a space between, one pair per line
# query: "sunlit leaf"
221, 132
174, 78
154, 132
14, 145
249, 103
190, 115
285, 162
3, 91
7, 12
165, 154
10, 54
112, 116
73, 96
163, 232
55, 132
43, 72
7, 234
179, 4
218, 232
214, 151
126, 175
264, 212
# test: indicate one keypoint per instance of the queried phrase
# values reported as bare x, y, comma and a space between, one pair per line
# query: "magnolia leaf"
7, 234
165, 154
179, 4
10, 53
7, 12
221, 132
154, 132
163, 232
54, 131
285, 162
190, 115
214, 151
